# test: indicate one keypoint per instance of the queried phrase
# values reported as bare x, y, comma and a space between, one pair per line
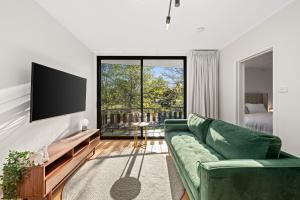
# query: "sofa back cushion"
198, 125
234, 142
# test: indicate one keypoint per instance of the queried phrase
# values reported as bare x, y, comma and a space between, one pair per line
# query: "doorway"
255, 92
139, 89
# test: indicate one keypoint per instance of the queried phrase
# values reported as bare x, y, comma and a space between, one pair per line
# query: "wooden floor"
108, 146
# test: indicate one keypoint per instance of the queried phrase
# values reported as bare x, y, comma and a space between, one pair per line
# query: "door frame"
240, 85
141, 58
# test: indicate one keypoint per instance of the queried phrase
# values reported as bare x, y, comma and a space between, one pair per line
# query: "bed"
260, 121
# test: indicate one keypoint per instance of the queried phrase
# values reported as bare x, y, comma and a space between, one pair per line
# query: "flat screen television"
55, 93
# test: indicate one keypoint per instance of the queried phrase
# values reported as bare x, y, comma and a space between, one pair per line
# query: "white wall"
282, 33
259, 81
28, 34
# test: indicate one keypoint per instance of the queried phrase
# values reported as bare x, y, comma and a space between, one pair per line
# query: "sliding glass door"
163, 93
136, 89
120, 96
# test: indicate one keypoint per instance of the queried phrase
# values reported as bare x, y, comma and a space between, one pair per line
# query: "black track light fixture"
168, 19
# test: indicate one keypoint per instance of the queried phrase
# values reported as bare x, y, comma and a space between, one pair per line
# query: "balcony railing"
121, 119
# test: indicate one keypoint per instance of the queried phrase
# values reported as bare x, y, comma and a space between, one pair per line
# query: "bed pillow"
256, 108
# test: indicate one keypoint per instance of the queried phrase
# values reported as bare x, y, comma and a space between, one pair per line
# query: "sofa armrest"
176, 121
250, 179
176, 125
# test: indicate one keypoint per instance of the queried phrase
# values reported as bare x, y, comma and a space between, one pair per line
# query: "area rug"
132, 174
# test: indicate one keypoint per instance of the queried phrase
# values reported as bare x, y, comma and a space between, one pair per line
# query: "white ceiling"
139, 25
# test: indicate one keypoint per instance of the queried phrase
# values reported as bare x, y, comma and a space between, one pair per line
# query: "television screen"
55, 93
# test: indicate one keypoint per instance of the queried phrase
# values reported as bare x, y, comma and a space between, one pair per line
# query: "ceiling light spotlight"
168, 21
177, 3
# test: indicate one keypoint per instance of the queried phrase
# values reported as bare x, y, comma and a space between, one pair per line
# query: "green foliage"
14, 169
121, 86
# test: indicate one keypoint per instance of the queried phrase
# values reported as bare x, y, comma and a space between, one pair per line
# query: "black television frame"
32, 87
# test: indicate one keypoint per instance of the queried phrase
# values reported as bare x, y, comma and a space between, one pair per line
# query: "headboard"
257, 98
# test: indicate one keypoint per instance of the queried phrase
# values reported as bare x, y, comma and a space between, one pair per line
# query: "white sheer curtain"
203, 80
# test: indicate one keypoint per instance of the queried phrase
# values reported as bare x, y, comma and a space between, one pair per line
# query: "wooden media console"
65, 156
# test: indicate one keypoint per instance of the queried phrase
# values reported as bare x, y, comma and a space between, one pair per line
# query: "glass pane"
163, 93
120, 96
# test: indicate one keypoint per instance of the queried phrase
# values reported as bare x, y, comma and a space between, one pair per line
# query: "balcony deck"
118, 122
128, 133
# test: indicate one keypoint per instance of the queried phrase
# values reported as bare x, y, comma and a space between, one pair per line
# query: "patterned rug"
132, 174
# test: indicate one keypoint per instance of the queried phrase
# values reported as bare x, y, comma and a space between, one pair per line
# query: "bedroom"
258, 113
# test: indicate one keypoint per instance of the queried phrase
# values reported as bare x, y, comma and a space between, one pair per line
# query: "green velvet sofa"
221, 161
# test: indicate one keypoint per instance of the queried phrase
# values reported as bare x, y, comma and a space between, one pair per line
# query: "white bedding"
259, 121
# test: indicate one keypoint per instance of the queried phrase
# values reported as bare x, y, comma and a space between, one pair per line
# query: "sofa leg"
185, 196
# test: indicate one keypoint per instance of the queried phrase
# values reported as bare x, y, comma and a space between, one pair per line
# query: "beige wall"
259, 81
282, 33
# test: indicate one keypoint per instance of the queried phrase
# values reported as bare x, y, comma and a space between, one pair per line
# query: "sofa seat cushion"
235, 142
190, 153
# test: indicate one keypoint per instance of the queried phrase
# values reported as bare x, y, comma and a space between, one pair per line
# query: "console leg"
49, 196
